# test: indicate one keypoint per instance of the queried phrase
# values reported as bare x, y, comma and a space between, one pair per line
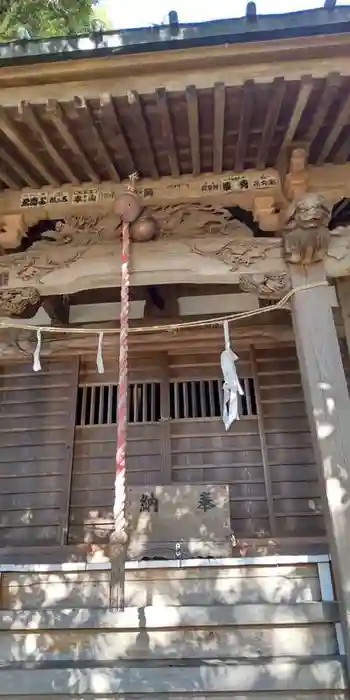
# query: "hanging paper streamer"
231, 386
99, 358
36, 355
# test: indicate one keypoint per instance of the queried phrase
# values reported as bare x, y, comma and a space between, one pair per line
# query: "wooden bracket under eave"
296, 180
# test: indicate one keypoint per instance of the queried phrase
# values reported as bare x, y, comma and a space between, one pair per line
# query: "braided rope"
119, 537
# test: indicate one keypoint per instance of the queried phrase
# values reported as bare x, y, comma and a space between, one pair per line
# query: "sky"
141, 13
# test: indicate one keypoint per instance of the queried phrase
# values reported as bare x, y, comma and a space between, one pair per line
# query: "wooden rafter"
219, 126
82, 107
279, 89
144, 140
26, 112
305, 90
8, 180
11, 132
18, 169
244, 124
331, 88
55, 112
341, 121
108, 108
341, 155
193, 125
168, 132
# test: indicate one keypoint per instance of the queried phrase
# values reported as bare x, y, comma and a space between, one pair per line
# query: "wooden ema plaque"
162, 518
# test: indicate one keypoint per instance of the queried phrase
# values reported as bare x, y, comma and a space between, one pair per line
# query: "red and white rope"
122, 411
119, 536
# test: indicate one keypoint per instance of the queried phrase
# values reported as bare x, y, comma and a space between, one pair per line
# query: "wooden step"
236, 677
213, 632
206, 585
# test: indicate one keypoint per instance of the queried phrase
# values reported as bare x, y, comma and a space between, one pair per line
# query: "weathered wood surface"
221, 643
261, 675
37, 416
308, 695
164, 191
14, 343
170, 617
196, 516
161, 587
292, 58
69, 268
200, 449
328, 403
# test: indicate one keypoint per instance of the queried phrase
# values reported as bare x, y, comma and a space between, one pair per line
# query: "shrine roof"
166, 37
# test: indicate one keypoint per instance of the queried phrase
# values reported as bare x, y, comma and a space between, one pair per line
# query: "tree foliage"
46, 18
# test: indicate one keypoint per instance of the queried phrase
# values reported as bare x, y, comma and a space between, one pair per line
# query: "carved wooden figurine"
306, 235
19, 303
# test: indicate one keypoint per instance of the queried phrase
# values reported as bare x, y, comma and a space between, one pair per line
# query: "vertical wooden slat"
221, 396
264, 454
194, 400
211, 398
83, 406
153, 401
135, 402
202, 397
110, 403
165, 421
248, 397
70, 436
145, 413
92, 405
101, 403
185, 389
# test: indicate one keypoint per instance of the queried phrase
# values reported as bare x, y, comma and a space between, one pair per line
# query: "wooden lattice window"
204, 399
97, 404
196, 399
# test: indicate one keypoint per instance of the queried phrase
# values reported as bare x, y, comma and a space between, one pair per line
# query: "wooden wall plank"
36, 440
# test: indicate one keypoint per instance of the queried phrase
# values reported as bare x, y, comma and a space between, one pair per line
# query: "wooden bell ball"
128, 207
144, 229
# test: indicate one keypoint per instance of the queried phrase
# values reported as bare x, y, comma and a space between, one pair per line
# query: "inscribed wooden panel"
194, 518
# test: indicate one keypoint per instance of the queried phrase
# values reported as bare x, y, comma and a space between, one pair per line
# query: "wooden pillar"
343, 289
328, 404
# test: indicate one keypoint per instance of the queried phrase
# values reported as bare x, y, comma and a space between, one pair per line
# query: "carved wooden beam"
228, 189
86, 260
267, 286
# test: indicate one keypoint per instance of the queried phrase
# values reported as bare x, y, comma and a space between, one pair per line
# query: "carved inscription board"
190, 520
100, 194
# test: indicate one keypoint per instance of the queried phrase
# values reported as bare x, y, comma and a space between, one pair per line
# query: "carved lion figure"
306, 235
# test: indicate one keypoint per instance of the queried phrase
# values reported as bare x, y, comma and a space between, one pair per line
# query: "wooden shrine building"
238, 571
